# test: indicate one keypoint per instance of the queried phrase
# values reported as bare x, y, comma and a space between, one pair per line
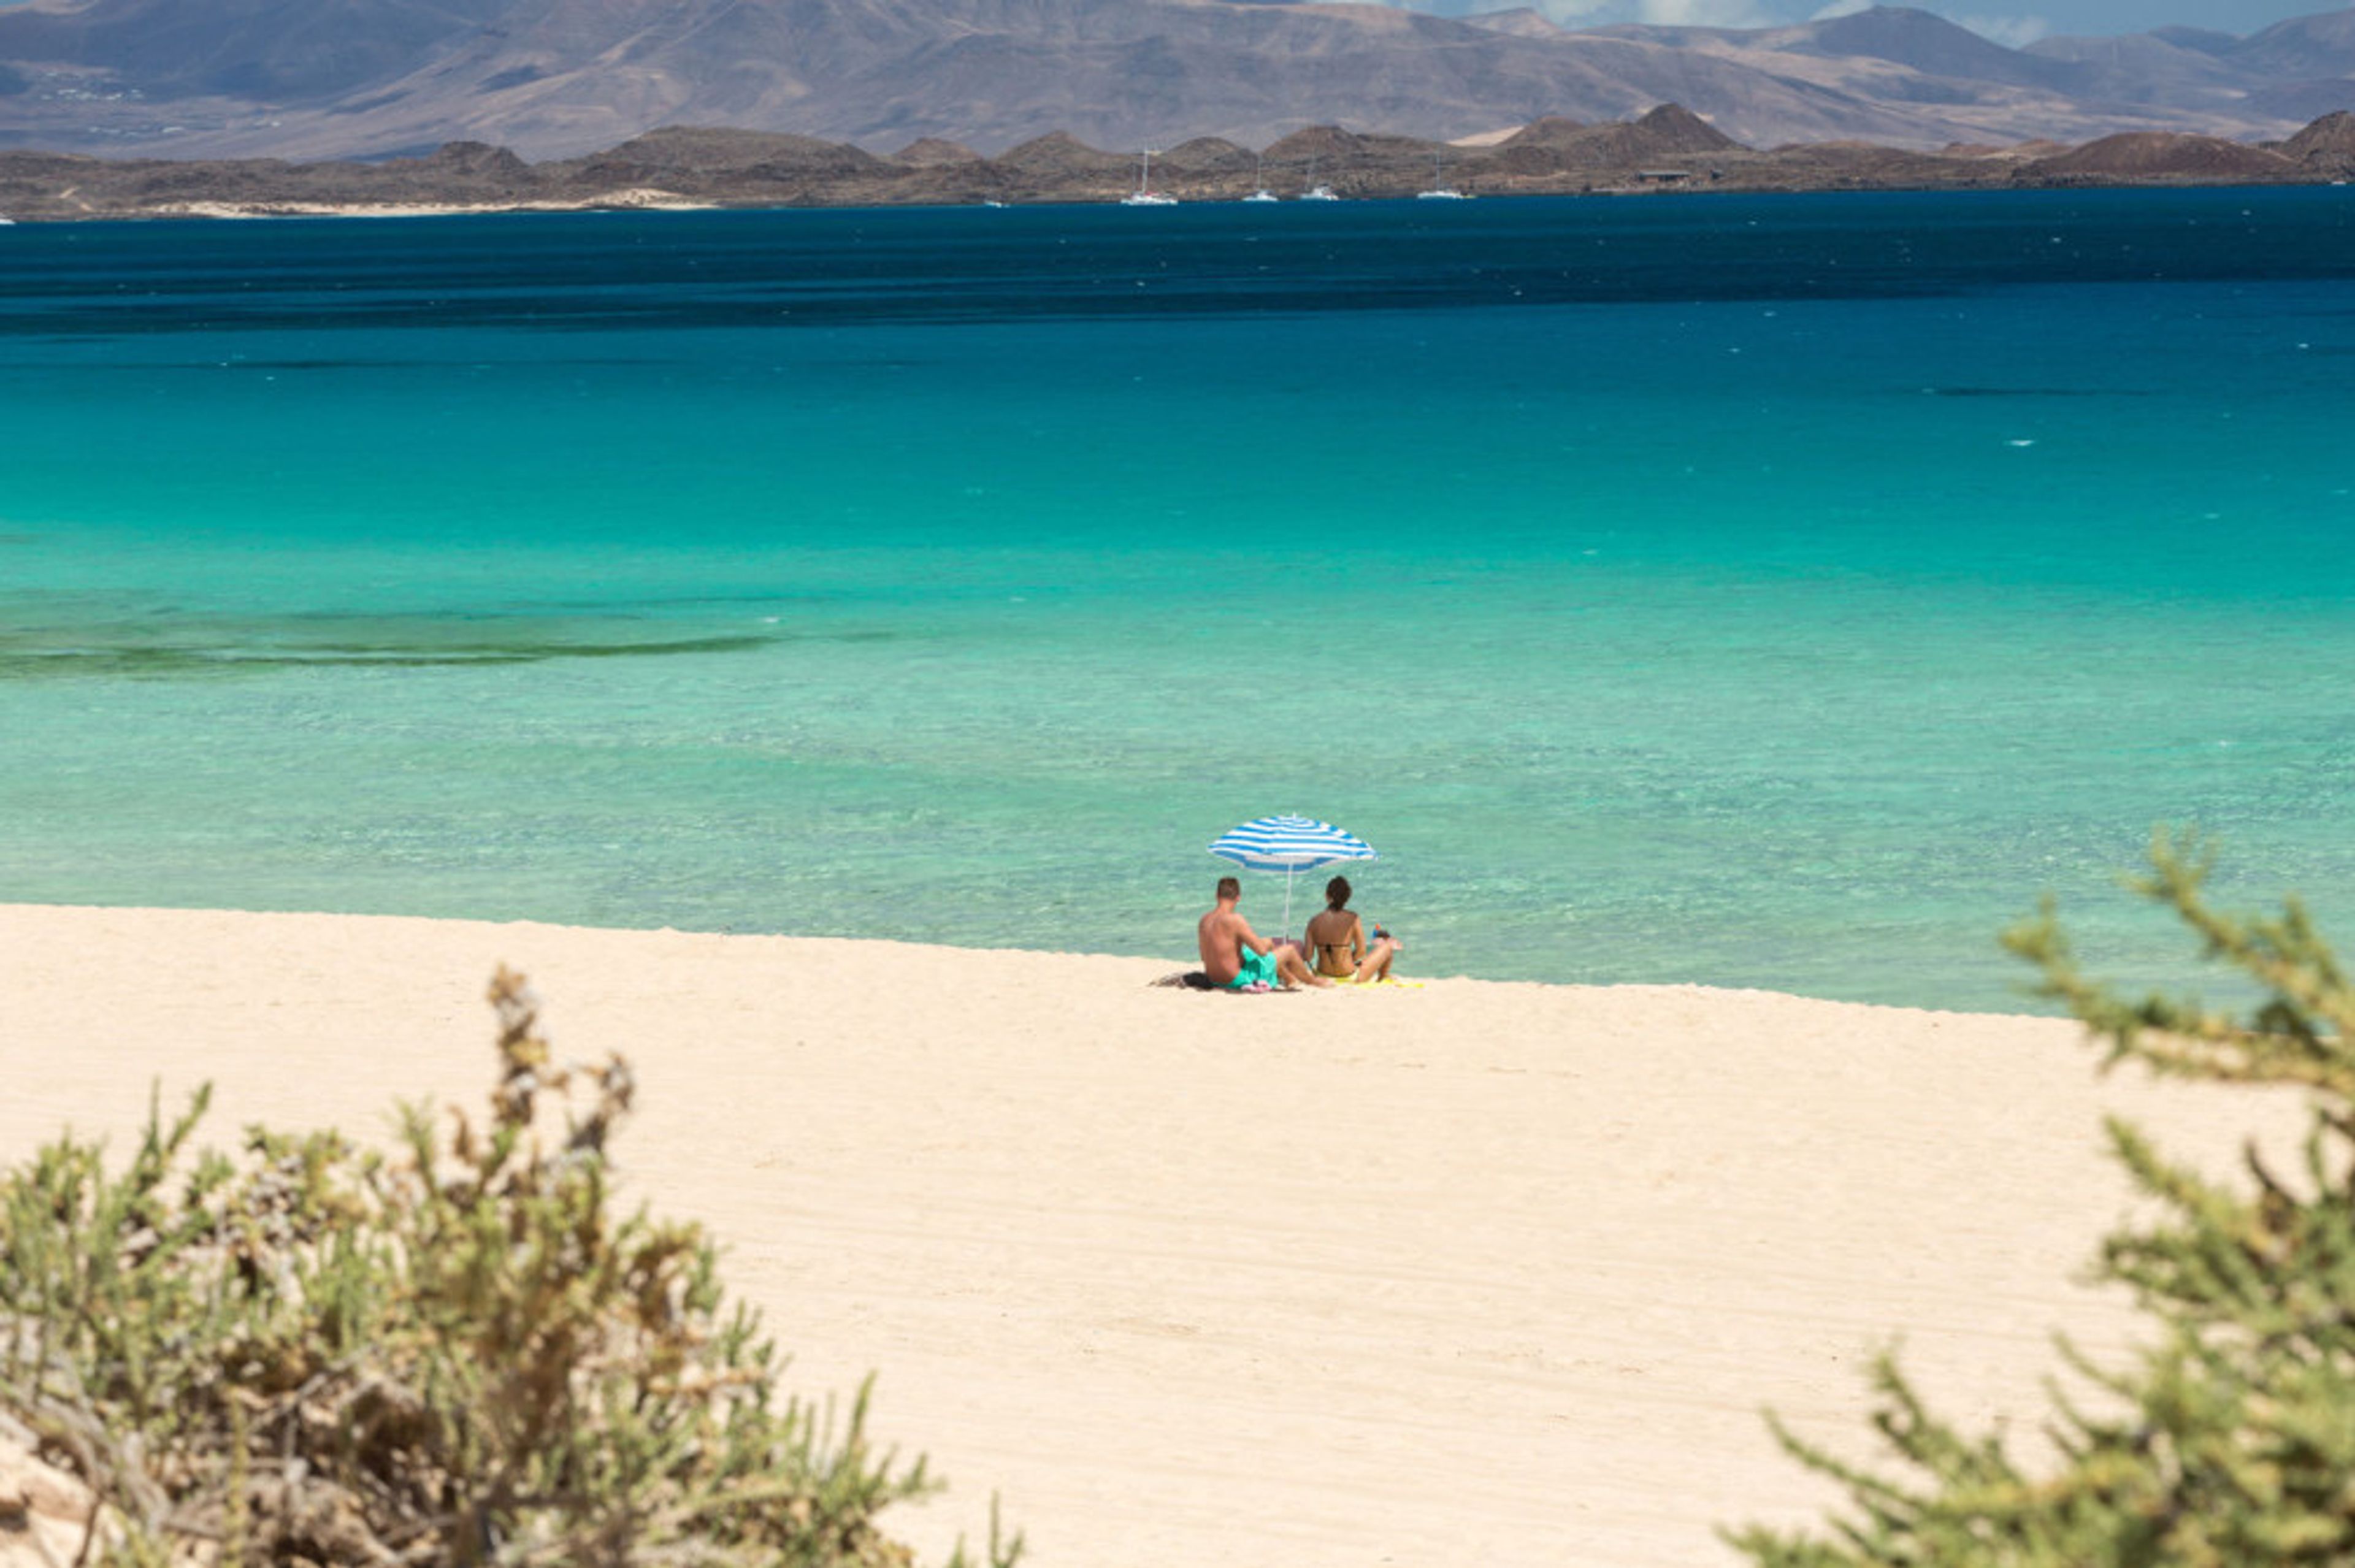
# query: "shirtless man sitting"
1234, 955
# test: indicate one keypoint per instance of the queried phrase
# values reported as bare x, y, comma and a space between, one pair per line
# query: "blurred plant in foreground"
453, 1354
2231, 1441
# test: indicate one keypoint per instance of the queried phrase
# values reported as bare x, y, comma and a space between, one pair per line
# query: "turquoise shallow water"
1777, 592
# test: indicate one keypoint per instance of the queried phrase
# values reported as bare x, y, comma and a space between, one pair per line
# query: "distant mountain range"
558, 78
1665, 149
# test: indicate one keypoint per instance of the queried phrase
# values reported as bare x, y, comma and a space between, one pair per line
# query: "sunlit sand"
1475, 1273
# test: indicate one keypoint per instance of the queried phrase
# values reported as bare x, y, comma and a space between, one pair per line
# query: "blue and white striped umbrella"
1290, 845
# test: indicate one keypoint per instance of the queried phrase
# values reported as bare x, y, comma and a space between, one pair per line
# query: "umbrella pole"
1289, 872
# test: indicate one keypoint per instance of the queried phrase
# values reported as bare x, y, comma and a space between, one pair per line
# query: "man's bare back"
1221, 934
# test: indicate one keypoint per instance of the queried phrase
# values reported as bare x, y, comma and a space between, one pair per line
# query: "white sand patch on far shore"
1476, 1273
636, 198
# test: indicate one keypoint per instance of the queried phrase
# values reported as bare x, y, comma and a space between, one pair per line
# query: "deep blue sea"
1775, 592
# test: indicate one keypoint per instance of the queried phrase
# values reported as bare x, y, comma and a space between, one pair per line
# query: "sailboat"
1259, 178
1145, 195
1440, 189
1316, 192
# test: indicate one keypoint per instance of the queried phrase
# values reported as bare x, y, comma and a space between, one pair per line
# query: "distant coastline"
1668, 149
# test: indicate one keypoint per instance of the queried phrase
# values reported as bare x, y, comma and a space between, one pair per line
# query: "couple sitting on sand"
1237, 958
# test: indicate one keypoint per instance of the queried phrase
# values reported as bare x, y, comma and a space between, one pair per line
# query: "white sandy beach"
1473, 1273
636, 198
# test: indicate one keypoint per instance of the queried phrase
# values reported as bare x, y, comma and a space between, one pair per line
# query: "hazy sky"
2012, 22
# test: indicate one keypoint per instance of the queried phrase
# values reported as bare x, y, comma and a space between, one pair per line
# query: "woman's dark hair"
1337, 892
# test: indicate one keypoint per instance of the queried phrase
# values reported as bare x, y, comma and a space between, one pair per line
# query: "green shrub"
455, 1353
2232, 1440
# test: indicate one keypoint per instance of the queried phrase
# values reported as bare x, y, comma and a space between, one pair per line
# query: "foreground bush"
2232, 1440
456, 1354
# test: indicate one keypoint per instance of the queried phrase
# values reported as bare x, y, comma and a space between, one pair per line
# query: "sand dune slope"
1476, 1273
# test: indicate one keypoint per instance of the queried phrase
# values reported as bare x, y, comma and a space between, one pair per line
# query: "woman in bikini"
1337, 945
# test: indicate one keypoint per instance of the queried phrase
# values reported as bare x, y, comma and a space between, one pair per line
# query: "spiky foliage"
457, 1353
2231, 1442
